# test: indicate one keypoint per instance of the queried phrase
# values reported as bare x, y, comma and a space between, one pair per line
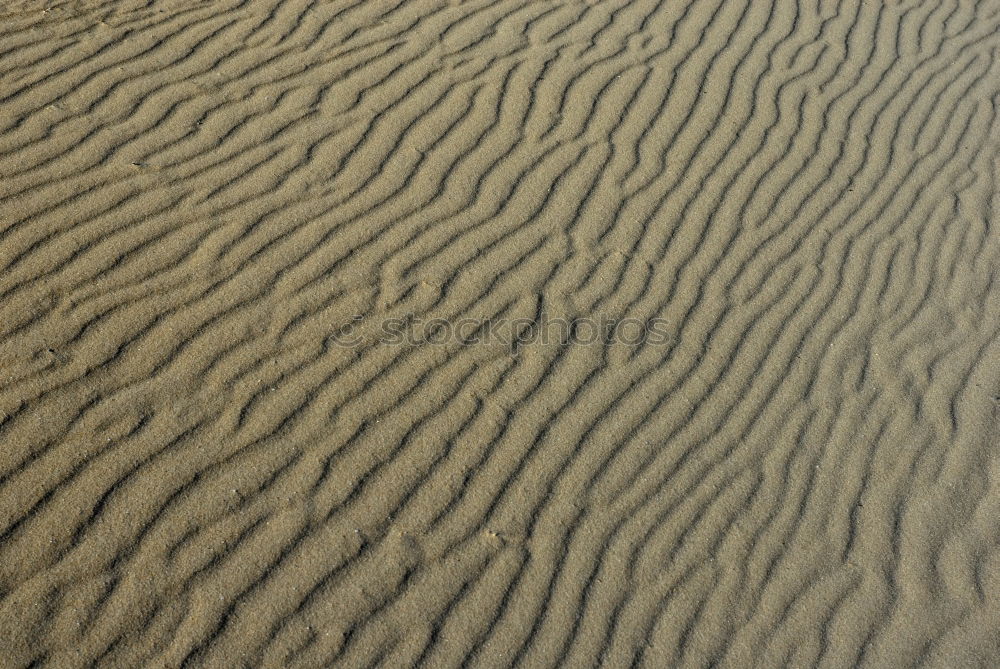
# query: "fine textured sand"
199, 201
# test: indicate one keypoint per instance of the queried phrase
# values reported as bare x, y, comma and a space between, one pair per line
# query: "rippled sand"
217, 216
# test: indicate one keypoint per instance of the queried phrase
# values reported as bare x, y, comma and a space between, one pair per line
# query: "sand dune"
240, 423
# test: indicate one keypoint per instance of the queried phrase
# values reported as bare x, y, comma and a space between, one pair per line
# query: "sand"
312, 349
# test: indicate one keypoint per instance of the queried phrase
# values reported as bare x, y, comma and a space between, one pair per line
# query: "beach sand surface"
275, 390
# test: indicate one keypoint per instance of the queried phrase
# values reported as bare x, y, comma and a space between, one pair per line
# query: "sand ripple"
198, 199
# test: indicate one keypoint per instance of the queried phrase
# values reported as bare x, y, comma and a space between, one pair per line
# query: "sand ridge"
215, 218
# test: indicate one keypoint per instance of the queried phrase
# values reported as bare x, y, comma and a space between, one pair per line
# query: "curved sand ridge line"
196, 199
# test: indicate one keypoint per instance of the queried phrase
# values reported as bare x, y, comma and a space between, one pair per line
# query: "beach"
467, 333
